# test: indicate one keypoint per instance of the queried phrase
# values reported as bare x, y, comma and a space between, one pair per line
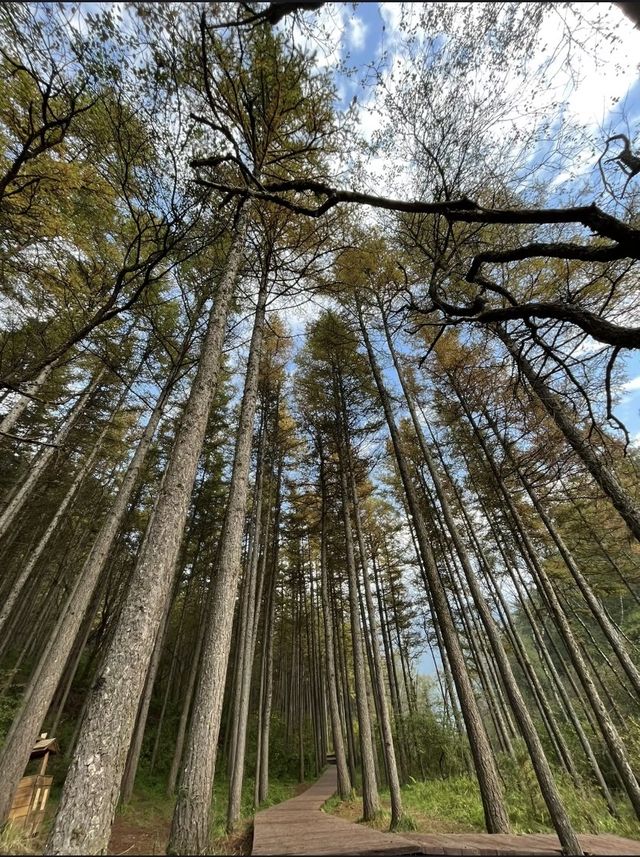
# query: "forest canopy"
319, 418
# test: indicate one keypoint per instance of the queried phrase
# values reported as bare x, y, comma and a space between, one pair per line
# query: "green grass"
151, 807
279, 791
14, 841
149, 814
453, 805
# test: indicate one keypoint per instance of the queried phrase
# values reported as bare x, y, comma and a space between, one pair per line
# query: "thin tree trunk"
190, 827
184, 713
31, 388
556, 681
491, 791
370, 800
391, 670
603, 550
344, 699
609, 732
172, 669
43, 683
263, 780
248, 637
92, 784
383, 713
247, 597
608, 629
38, 467
605, 477
36, 553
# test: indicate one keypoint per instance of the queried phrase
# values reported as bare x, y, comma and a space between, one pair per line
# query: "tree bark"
263, 778
605, 478
46, 677
551, 795
42, 461
491, 791
610, 632
133, 756
31, 388
552, 674
36, 553
383, 713
610, 734
370, 799
184, 712
190, 826
247, 637
93, 781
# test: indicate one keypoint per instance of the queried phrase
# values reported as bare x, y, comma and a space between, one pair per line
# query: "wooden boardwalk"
298, 826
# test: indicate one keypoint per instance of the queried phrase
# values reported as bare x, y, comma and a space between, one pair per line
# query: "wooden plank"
299, 826
34, 821
19, 811
607, 843
22, 791
25, 801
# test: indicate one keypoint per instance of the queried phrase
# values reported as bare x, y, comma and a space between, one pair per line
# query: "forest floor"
454, 806
142, 826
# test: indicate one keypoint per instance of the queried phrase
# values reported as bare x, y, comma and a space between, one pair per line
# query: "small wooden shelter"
27, 810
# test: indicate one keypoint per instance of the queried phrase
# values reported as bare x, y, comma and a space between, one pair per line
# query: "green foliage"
453, 805
405, 823
15, 841
9, 703
455, 800
440, 746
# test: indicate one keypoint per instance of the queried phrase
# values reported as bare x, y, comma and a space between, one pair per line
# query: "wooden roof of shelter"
44, 745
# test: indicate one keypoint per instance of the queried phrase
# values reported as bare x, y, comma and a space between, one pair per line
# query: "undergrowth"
453, 805
14, 841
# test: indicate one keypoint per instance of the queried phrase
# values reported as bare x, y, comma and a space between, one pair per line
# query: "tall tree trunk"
169, 684
344, 697
491, 791
43, 460
603, 550
555, 679
610, 632
31, 388
370, 799
391, 670
383, 714
190, 827
184, 712
544, 706
36, 553
135, 748
611, 736
43, 683
92, 785
606, 478
263, 779
242, 618
248, 639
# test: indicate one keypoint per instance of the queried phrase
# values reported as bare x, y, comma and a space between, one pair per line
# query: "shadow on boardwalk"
298, 826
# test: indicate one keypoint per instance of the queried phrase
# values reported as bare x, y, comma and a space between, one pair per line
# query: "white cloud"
632, 384
357, 33
391, 15
326, 38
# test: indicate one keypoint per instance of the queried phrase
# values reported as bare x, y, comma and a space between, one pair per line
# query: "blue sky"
600, 96
602, 100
